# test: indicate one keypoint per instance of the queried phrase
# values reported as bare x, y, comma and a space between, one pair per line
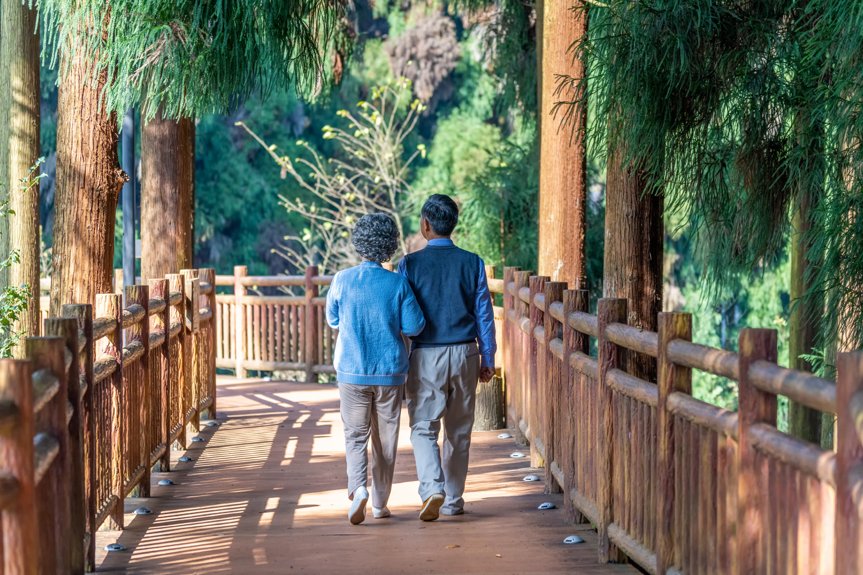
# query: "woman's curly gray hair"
375, 237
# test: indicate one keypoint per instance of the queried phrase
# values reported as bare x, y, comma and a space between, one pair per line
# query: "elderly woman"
371, 307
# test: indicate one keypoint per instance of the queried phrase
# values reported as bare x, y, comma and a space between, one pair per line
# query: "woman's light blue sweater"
372, 307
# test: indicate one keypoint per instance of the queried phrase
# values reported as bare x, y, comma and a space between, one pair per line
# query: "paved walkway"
266, 494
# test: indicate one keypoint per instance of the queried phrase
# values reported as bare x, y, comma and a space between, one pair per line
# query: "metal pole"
129, 198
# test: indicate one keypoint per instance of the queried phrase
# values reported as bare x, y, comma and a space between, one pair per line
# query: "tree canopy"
194, 57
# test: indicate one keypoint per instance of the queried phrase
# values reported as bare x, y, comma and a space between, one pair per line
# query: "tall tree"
167, 187
563, 151
634, 239
88, 182
19, 147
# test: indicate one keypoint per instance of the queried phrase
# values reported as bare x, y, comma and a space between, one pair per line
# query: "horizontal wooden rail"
583, 323
46, 450
707, 359
632, 387
46, 386
632, 338
799, 454
703, 414
133, 314
804, 388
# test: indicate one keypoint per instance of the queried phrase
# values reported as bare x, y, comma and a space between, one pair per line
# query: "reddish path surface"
266, 494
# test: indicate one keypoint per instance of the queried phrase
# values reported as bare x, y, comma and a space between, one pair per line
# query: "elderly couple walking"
440, 300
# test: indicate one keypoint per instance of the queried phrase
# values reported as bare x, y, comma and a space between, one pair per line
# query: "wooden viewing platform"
267, 494
648, 474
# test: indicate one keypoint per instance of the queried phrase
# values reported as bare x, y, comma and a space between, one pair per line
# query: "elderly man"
455, 349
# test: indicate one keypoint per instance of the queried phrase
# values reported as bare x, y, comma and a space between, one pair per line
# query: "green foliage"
736, 110
368, 172
499, 211
196, 57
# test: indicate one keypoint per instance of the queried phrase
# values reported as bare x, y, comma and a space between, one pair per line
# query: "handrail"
103, 326
708, 359
584, 323
646, 342
803, 388
703, 414
795, 452
132, 315
46, 385
156, 306
46, 450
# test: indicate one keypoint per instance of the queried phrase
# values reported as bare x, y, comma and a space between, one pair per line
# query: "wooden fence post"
180, 382
551, 395
849, 463
311, 328
755, 406
671, 378
110, 306
506, 341
209, 276
239, 320
67, 329
521, 358
610, 310
138, 409
161, 322
193, 321
83, 316
52, 494
536, 370
20, 542
573, 341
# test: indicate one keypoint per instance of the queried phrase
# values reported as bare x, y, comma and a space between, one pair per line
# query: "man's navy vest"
444, 280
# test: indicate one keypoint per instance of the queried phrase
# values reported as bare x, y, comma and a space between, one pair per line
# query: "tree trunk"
563, 155
490, 405
803, 422
167, 196
19, 46
88, 185
634, 236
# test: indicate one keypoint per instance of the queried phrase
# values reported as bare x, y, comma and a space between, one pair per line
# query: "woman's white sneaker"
357, 512
380, 512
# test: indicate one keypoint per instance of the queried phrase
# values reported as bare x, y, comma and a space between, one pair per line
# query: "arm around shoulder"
412, 319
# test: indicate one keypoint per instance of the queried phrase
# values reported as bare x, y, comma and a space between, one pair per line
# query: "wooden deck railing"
676, 484
95, 406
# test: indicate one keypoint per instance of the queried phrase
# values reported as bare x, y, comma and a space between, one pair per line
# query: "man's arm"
403, 268
484, 310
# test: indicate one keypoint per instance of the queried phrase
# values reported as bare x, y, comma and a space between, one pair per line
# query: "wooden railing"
284, 331
96, 404
676, 484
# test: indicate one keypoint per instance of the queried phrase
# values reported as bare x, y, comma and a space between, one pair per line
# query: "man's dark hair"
376, 237
441, 212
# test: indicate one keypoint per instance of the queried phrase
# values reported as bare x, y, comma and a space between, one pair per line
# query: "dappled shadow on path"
266, 494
